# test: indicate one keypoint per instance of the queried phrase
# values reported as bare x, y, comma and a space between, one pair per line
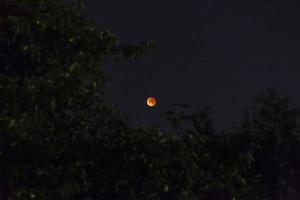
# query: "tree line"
61, 140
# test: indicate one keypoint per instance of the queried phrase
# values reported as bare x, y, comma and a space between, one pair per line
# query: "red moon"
151, 101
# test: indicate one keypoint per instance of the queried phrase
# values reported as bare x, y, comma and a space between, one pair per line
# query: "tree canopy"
61, 140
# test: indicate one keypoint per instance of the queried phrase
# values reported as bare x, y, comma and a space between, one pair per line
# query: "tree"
51, 81
61, 140
271, 132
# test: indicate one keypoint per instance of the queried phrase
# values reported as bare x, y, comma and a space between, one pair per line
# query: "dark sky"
218, 53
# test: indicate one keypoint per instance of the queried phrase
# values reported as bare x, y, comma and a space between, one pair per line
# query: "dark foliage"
61, 140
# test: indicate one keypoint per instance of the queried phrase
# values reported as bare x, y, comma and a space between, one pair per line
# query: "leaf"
25, 48
73, 67
166, 188
12, 123
32, 195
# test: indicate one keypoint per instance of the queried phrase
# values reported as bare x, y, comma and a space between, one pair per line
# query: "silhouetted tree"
61, 140
54, 122
271, 132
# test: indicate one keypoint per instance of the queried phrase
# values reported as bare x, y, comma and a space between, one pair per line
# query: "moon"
151, 101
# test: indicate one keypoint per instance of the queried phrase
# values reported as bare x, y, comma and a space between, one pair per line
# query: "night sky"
209, 52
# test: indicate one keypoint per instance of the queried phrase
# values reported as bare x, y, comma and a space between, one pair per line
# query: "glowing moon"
151, 101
